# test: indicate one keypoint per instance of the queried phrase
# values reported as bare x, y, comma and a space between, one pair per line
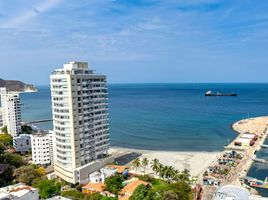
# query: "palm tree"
144, 163
162, 171
169, 172
155, 165
136, 163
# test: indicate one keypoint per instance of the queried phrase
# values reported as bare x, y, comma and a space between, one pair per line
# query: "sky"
136, 41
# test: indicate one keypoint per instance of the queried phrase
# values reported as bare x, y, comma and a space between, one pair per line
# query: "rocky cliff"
18, 86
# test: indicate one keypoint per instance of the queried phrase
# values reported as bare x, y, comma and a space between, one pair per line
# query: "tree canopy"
4, 130
48, 188
114, 184
25, 129
26, 174
6, 140
11, 159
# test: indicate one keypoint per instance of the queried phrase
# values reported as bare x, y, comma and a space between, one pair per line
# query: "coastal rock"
18, 86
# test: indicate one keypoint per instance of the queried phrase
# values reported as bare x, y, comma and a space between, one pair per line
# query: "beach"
195, 162
255, 125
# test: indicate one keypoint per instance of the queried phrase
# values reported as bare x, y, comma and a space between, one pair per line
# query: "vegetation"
6, 140
28, 173
48, 188
6, 177
142, 192
4, 130
11, 159
73, 194
25, 129
77, 195
144, 163
172, 185
114, 184
136, 164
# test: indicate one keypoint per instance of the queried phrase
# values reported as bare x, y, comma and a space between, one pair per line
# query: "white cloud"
29, 14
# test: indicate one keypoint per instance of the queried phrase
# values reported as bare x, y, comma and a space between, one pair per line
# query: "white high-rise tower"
80, 120
11, 112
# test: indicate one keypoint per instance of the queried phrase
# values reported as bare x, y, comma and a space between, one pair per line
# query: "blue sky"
136, 40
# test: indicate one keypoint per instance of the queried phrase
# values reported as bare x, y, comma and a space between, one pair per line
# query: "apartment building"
22, 143
11, 111
42, 148
80, 121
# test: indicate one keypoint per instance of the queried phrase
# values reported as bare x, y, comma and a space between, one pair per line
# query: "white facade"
11, 112
19, 191
1, 118
22, 143
80, 119
41, 148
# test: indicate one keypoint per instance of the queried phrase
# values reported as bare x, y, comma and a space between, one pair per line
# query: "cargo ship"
210, 94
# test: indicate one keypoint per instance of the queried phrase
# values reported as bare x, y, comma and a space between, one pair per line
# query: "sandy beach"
195, 162
252, 125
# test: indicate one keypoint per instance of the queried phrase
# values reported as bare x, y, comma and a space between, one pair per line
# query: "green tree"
170, 195
12, 159
182, 189
6, 177
48, 188
73, 194
2, 148
25, 174
136, 163
155, 165
144, 163
6, 140
4, 130
141, 192
25, 129
94, 196
108, 198
114, 184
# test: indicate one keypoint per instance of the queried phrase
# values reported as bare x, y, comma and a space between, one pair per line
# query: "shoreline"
196, 162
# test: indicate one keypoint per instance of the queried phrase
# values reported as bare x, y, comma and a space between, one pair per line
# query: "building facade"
11, 112
80, 120
1, 118
42, 148
22, 143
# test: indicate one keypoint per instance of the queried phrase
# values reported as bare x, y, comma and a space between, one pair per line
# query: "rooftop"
120, 169
96, 187
17, 190
131, 186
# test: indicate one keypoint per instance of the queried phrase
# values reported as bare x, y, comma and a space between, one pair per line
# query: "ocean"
173, 117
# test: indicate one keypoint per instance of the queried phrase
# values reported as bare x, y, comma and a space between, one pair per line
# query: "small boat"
211, 94
253, 182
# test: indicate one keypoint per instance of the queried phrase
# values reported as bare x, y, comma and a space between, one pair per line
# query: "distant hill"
17, 86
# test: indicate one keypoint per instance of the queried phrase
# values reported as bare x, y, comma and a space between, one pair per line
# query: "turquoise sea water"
171, 116
260, 170
167, 116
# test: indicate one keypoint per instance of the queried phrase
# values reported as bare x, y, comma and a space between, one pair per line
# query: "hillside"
13, 85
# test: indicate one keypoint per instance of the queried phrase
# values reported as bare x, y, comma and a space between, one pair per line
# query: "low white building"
22, 143
19, 191
42, 148
100, 176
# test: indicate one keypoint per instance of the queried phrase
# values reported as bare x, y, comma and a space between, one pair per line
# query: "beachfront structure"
42, 148
11, 112
22, 143
19, 191
80, 121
